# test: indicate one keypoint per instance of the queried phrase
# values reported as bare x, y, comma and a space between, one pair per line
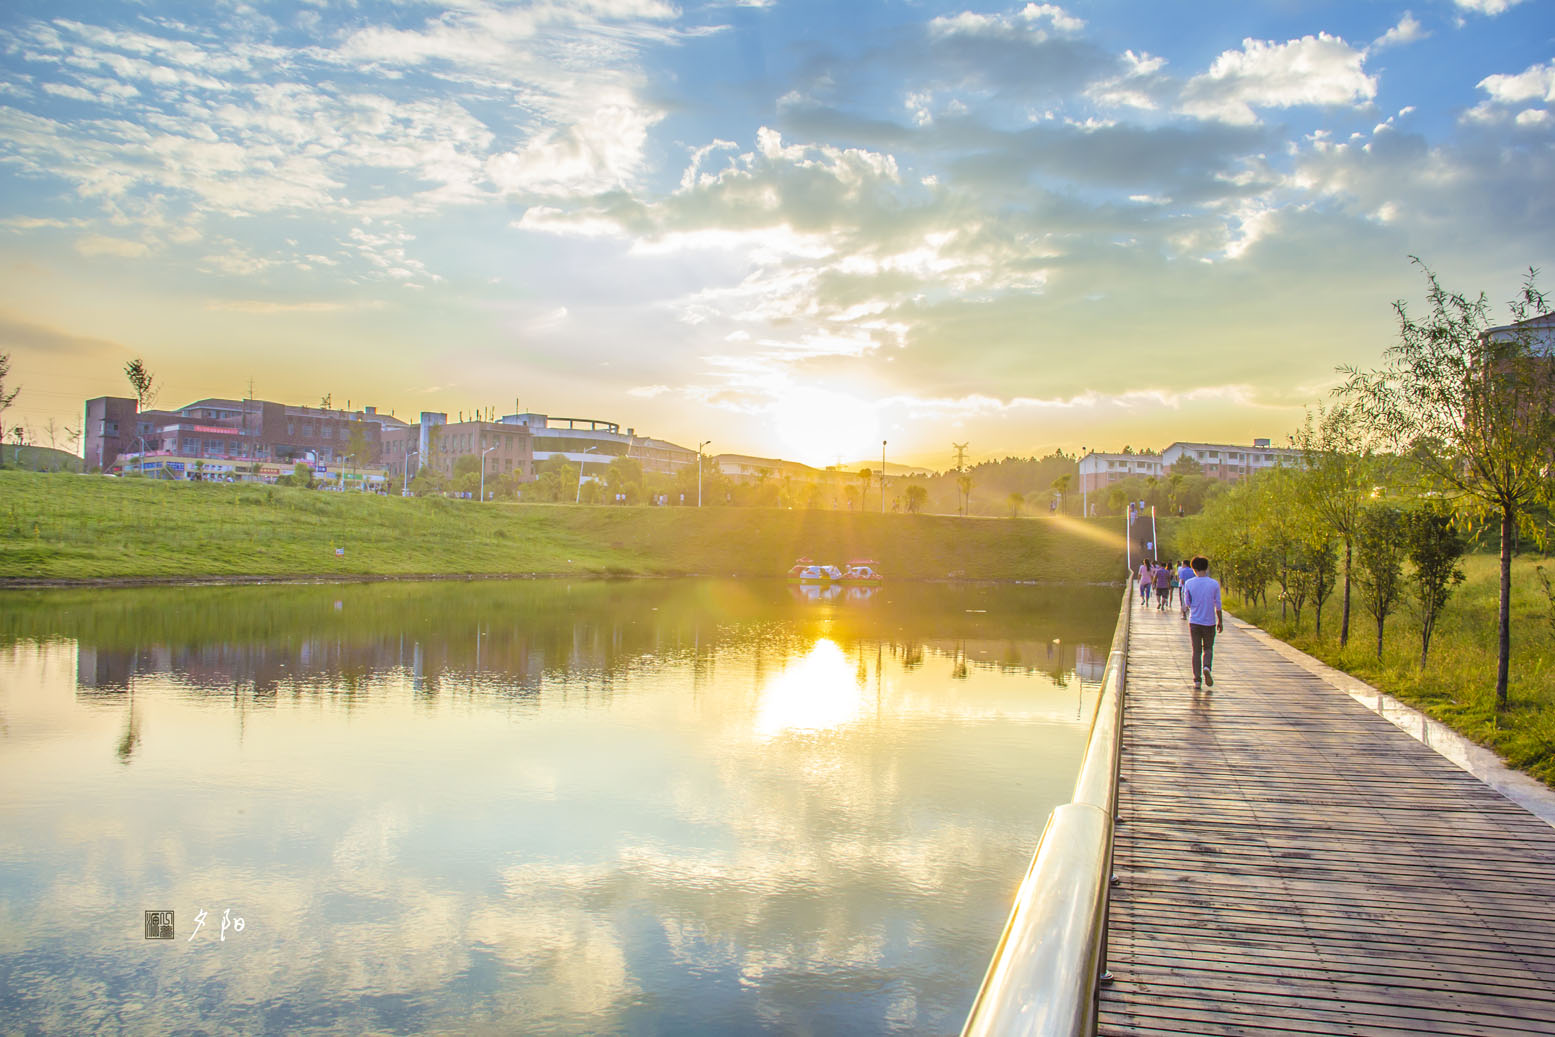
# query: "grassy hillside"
70, 527
38, 459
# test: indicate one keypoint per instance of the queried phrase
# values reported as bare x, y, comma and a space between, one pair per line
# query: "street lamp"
405, 483
579, 497
699, 470
483, 469
882, 477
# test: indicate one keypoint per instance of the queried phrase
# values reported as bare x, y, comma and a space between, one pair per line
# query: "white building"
1227, 462
592, 441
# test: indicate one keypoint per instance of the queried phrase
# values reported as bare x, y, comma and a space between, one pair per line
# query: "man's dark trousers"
1202, 637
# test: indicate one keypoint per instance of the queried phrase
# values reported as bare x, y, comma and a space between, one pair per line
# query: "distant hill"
38, 459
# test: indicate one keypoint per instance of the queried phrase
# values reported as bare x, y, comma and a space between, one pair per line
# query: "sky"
794, 229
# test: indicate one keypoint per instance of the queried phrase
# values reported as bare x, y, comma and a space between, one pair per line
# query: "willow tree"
1337, 474
1473, 405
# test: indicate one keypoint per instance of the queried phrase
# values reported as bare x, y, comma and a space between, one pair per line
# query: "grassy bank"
70, 527
1457, 685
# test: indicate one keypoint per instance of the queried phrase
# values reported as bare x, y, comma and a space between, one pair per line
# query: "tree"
864, 476
1015, 500
1474, 407
357, 449
1336, 476
964, 487
1434, 547
916, 495
467, 475
624, 475
1379, 562
1320, 572
1061, 485
143, 382
6, 398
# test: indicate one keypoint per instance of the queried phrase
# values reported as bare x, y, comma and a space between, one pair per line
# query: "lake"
545, 807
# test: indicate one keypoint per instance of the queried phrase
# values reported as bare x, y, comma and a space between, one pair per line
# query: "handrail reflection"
1044, 972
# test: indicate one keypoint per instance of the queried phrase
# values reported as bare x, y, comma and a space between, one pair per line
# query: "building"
218, 432
1226, 462
747, 468
436, 443
1538, 332
587, 441
519, 444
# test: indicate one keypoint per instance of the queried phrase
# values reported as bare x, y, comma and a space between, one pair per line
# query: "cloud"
1313, 70
600, 152
1408, 30
266, 307
1535, 83
102, 245
1487, 7
17, 334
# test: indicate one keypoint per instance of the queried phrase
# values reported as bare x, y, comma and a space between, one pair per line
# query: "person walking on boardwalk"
1163, 587
1145, 574
1184, 574
1202, 596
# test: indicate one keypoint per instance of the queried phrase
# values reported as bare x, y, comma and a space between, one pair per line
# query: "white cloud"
1408, 30
103, 245
1315, 70
600, 152
1534, 83
1489, 7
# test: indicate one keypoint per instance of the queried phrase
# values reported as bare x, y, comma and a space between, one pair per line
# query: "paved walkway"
1293, 863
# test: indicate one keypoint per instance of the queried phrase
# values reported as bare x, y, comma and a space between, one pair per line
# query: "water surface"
539, 807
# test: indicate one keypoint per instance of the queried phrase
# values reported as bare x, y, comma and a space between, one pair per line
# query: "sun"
821, 427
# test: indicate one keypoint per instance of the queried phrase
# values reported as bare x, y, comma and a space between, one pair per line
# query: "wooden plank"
1292, 863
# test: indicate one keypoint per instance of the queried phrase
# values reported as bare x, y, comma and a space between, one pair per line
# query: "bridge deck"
1292, 863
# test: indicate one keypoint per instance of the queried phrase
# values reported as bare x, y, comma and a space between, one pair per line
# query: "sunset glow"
795, 228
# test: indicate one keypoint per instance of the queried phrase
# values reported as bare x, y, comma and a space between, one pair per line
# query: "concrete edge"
1528, 793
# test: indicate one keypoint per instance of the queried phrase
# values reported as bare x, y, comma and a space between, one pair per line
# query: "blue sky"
794, 228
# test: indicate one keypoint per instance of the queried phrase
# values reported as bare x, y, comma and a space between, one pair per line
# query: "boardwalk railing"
1044, 972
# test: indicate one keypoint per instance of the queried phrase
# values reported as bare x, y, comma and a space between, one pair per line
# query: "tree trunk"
1504, 611
1379, 639
1344, 622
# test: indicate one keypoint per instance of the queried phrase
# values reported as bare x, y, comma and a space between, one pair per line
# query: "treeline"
1450, 444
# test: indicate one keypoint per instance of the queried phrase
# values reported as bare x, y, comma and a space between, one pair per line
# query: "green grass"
1457, 685
64, 527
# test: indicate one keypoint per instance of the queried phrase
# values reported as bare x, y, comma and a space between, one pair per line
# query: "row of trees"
1454, 434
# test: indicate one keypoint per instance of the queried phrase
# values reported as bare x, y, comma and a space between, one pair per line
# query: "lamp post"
483, 469
699, 470
578, 497
405, 483
882, 477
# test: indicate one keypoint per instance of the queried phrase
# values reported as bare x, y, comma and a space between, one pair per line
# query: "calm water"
529, 807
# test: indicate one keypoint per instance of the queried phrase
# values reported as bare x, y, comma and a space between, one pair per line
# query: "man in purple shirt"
1202, 596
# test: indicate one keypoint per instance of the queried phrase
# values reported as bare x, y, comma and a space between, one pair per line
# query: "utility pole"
960, 449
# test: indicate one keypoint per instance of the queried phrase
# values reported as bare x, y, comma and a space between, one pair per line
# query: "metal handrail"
1044, 972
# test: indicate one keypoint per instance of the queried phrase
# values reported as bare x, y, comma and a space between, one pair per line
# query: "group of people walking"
1198, 597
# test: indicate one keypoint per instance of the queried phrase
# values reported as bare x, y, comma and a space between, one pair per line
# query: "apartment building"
1227, 462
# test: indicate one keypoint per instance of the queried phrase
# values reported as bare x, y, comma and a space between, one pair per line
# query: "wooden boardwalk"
1292, 863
